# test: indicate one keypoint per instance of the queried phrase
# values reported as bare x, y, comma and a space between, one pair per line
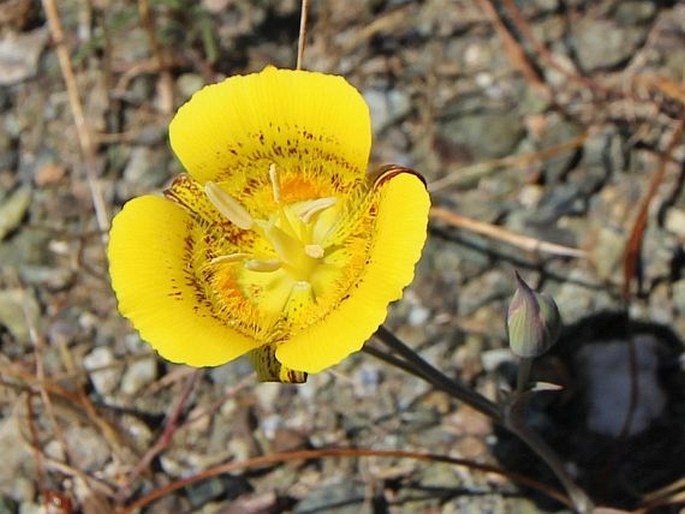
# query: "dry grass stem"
634, 244
268, 460
83, 130
526, 243
302, 37
514, 50
471, 173
165, 85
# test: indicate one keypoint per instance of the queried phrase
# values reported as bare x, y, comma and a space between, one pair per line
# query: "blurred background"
550, 135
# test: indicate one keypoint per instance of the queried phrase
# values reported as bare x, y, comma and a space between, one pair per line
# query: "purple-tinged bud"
533, 321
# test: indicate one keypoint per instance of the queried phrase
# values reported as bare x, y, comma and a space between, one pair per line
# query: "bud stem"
523, 374
510, 415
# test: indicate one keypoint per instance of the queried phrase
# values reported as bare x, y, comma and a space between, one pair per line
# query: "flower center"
297, 234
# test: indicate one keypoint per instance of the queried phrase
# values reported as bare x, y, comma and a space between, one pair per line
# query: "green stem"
429, 373
515, 422
512, 417
396, 362
523, 374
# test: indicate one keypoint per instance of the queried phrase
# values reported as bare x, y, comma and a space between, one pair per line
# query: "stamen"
233, 257
314, 251
314, 207
275, 183
257, 265
228, 206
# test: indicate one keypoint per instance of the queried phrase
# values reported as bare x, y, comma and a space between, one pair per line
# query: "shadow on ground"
618, 422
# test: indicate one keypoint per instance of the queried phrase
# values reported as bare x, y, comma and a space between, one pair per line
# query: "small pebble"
13, 209
105, 381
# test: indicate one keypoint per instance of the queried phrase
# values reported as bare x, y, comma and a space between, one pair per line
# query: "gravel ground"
554, 129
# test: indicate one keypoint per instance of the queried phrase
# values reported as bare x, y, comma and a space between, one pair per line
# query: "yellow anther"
228, 206
275, 183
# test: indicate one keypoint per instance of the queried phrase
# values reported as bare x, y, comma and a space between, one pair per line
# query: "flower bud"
533, 321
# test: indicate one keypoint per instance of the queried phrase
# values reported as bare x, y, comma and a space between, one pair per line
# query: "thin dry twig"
632, 252
165, 439
543, 53
73, 399
385, 22
672, 494
267, 460
527, 243
37, 451
38, 345
202, 412
64, 468
301, 40
473, 172
83, 130
515, 51
165, 86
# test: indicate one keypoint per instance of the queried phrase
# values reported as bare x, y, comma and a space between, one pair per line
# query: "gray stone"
602, 44
8, 154
660, 247
189, 83
17, 461
48, 276
268, 394
675, 63
608, 251
105, 381
207, 490
138, 375
19, 54
441, 477
387, 107
344, 497
483, 136
7, 505
678, 292
492, 285
557, 132
145, 168
634, 13
13, 209
18, 310
575, 300
31, 508
675, 222
88, 451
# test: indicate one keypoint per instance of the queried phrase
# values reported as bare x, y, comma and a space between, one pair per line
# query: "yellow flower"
276, 242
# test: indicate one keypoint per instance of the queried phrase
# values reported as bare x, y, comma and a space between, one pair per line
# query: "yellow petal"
398, 235
151, 256
297, 120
